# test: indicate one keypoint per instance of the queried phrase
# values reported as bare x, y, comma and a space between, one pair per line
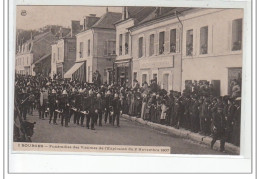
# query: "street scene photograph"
160, 79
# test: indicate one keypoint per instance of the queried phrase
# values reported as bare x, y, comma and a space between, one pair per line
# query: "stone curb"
185, 134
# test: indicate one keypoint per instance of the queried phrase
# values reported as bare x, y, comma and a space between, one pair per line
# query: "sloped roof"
42, 58
165, 12
107, 20
138, 12
152, 15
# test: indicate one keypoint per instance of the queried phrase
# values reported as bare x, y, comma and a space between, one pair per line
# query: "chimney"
75, 27
89, 21
124, 13
60, 33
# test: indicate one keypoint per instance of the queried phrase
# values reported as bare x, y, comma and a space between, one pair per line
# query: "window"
105, 47
126, 42
140, 54
135, 76
166, 81
204, 40
236, 34
120, 44
189, 43
155, 77
88, 73
151, 47
144, 78
111, 47
173, 40
89, 47
80, 50
58, 54
161, 42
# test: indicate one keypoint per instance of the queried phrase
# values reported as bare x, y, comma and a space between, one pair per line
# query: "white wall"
220, 57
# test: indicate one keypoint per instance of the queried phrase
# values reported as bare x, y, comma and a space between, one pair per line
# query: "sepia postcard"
128, 79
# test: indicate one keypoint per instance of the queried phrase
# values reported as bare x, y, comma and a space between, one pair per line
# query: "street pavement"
129, 133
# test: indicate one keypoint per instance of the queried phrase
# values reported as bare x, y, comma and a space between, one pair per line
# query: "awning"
73, 69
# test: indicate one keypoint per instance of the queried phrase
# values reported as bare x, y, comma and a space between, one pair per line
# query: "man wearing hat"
99, 109
91, 110
219, 127
53, 104
235, 137
64, 108
43, 102
108, 104
117, 109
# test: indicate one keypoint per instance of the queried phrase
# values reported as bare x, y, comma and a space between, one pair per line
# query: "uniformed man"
117, 109
53, 104
108, 105
100, 108
91, 110
64, 108
219, 125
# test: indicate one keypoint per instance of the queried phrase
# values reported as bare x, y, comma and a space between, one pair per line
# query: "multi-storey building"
156, 48
64, 50
123, 63
95, 49
178, 46
33, 56
212, 47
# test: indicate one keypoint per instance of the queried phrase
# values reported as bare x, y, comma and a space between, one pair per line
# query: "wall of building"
161, 64
42, 46
83, 37
54, 58
215, 64
69, 53
122, 28
23, 63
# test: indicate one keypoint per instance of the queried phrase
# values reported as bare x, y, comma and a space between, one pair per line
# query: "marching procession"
90, 104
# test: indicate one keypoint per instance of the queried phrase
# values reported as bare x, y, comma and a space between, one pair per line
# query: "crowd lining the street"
196, 109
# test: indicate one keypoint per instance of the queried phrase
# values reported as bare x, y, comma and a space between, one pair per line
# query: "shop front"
123, 73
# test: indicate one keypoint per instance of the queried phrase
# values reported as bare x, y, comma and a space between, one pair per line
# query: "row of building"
176, 46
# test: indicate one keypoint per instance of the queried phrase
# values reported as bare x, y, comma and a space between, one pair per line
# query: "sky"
40, 16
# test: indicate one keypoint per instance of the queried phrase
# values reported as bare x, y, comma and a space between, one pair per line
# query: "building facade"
63, 55
156, 49
123, 64
212, 47
96, 46
31, 54
24, 59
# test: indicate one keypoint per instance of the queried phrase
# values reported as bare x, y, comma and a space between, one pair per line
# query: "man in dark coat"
219, 127
117, 109
108, 105
64, 108
78, 106
99, 109
53, 104
91, 110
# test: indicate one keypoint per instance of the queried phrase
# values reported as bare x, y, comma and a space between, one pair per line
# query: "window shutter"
178, 39
229, 37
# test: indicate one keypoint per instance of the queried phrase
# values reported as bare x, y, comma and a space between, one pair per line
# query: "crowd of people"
89, 104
